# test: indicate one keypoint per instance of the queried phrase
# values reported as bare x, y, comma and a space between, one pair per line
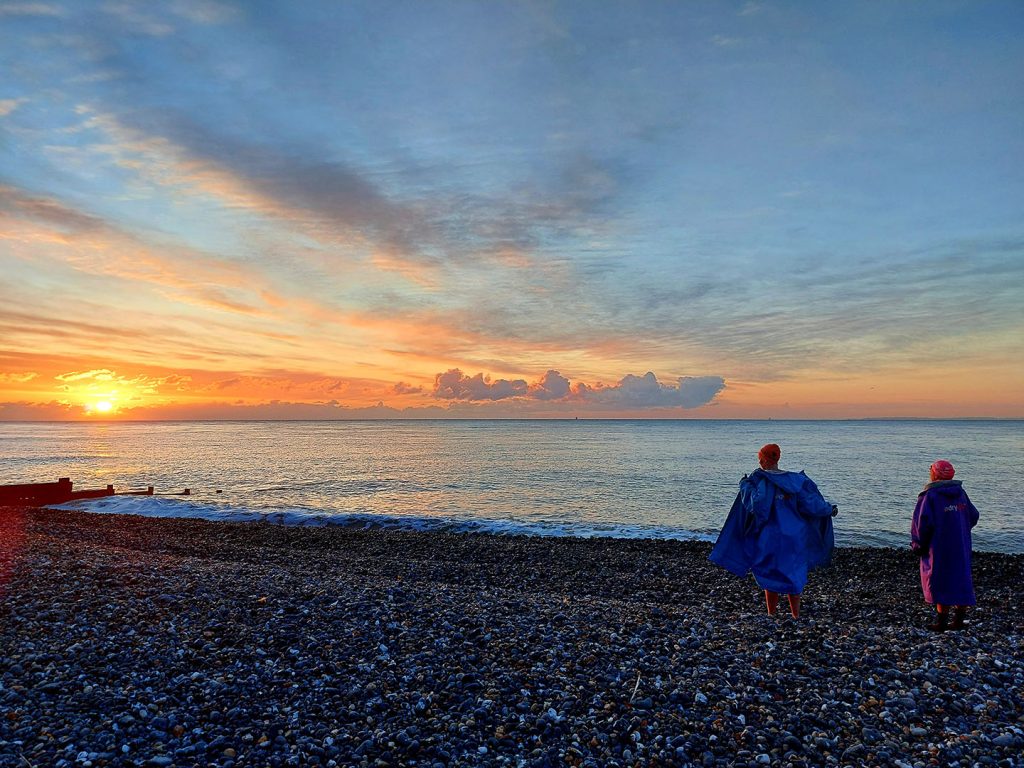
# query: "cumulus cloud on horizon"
453, 384
404, 388
647, 392
630, 392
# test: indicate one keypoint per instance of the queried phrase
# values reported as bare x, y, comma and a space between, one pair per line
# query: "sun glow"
104, 406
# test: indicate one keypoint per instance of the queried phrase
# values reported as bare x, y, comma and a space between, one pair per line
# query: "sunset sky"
358, 209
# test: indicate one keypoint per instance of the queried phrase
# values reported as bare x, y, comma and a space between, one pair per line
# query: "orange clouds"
38, 387
17, 378
58, 388
193, 308
62, 388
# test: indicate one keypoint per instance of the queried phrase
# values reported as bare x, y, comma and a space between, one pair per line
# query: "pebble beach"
127, 641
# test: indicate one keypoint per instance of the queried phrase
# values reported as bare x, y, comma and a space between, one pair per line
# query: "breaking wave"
157, 506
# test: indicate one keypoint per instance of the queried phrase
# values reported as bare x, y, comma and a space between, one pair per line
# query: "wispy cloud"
18, 378
324, 200
340, 204
137, 18
205, 11
725, 41
94, 245
91, 245
99, 374
30, 9
16, 204
7, 106
53, 410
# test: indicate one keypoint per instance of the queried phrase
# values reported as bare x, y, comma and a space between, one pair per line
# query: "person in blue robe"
940, 534
779, 528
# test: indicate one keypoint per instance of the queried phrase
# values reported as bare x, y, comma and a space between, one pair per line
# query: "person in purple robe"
940, 534
779, 527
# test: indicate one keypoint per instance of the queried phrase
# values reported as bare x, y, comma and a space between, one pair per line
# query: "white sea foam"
182, 507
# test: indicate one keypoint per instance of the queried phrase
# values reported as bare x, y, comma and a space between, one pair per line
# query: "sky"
530, 209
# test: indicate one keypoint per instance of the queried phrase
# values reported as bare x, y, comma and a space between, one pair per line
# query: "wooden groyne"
58, 493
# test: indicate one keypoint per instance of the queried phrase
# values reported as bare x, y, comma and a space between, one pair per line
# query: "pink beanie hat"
942, 470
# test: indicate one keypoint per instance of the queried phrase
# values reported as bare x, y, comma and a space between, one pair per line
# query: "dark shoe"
958, 619
939, 625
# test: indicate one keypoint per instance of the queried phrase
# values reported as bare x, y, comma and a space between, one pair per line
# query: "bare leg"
794, 606
771, 600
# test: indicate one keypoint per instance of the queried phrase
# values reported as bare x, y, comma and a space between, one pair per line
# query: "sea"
672, 479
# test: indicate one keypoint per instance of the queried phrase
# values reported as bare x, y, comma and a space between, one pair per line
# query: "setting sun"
104, 406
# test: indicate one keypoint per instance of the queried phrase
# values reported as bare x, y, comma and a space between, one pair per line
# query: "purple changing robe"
941, 533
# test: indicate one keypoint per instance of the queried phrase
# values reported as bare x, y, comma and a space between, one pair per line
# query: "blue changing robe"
779, 528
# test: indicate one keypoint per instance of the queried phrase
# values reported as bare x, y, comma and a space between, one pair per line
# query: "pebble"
241, 645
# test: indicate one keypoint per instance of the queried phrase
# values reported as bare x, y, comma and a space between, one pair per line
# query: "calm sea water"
669, 479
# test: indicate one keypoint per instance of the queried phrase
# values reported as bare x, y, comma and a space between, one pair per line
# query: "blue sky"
782, 196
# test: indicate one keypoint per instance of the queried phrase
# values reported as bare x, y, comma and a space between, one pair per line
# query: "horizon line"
510, 418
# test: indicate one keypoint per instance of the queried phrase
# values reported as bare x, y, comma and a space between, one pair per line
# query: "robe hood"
944, 487
788, 482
